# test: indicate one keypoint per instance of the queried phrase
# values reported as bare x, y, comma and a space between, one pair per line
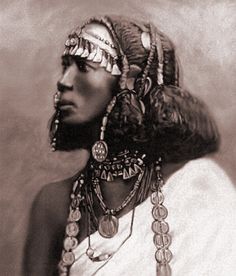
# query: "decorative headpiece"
97, 48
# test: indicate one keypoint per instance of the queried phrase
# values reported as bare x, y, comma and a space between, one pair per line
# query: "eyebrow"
64, 59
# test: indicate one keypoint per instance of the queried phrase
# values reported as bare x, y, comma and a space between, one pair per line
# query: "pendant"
100, 151
108, 226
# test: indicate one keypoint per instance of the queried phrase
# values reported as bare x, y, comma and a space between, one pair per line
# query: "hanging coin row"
160, 227
72, 228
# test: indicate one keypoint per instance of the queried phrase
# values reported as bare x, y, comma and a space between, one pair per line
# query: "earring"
160, 227
100, 148
55, 124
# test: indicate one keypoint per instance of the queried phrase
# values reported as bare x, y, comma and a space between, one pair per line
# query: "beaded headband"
95, 44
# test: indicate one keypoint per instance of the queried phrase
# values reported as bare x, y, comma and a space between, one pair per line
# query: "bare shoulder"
53, 200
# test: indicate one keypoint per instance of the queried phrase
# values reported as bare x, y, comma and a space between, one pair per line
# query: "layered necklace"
108, 222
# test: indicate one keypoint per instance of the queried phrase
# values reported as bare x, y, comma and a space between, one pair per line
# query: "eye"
81, 64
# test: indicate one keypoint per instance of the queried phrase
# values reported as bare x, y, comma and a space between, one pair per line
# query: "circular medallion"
75, 215
160, 227
70, 243
108, 226
72, 229
163, 256
157, 198
75, 202
100, 151
162, 241
68, 258
159, 212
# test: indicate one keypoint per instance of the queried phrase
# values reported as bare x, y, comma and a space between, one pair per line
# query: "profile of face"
86, 89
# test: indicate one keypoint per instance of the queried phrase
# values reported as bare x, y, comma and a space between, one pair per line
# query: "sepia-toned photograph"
118, 138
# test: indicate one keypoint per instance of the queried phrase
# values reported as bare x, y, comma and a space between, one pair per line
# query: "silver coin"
163, 256
159, 212
75, 215
72, 229
162, 241
108, 226
75, 202
70, 243
157, 198
160, 227
68, 258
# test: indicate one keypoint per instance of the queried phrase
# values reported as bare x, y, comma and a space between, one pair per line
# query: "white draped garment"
201, 202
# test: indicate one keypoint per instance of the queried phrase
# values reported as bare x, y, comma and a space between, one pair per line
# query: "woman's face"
86, 89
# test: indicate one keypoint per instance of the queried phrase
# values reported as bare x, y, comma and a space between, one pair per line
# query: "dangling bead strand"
100, 148
56, 100
160, 227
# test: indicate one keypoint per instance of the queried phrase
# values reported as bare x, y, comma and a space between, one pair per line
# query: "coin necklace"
160, 227
72, 228
108, 224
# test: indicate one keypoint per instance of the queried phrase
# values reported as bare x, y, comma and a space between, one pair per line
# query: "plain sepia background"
32, 35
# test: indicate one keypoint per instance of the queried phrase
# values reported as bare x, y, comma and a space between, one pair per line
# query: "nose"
66, 81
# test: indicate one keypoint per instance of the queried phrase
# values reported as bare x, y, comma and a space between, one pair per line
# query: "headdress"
94, 43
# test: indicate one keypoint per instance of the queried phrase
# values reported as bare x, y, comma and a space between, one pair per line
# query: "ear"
147, 85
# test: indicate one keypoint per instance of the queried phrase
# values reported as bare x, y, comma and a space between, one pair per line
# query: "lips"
65, 104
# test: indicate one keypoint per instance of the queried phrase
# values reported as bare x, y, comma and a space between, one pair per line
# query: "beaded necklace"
108, 224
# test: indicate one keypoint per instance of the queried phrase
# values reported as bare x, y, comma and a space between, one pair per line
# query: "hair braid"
149, 61
125, 63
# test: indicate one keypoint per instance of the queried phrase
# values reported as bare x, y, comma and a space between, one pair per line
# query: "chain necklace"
108, 224
91, 252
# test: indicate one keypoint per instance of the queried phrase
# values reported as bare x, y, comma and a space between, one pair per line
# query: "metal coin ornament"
160, 227
100, 151
108, 226
100, 148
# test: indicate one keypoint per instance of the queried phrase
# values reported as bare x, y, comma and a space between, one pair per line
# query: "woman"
120, 99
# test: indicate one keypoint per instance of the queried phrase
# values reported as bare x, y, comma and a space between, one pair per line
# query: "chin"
73, 120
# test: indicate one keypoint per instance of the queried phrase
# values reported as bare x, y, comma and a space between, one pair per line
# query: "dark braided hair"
175, 124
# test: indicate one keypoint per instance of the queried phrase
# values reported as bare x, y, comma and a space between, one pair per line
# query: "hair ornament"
72, 51
146, 40
81, 47
86, 50
98, 55
92, 53
88, 44
115, 69
104, 61
160, 56
109, 65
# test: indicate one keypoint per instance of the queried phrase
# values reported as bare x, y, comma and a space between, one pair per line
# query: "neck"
115, 192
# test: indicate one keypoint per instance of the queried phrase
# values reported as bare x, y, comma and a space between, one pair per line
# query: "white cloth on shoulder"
201, 201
